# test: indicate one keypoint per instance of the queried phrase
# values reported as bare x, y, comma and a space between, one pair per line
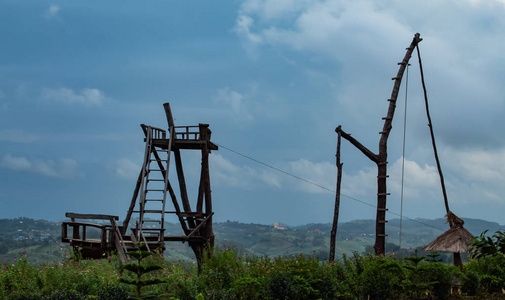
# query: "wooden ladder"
154, 186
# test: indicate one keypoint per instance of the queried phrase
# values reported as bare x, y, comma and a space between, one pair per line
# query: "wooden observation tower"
149, 205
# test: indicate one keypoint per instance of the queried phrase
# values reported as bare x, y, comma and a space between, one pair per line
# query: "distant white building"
279, 227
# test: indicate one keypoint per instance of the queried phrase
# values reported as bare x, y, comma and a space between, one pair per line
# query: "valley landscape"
40, 239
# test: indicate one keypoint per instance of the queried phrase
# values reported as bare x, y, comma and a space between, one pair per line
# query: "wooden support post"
333, 236
208, 233
182, 186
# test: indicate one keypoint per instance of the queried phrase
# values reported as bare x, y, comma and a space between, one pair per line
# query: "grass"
233, 274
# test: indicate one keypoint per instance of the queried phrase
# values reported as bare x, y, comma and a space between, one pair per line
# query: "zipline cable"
403, 153
319, 186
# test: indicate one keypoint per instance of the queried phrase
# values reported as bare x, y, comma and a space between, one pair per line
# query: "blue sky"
273, 78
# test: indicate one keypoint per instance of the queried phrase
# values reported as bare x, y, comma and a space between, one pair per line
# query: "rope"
403, 154
320, 186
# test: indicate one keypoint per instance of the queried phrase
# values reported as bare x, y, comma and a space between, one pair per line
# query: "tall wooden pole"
381, 158
333, 238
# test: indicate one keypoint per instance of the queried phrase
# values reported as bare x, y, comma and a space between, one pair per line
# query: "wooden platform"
185, 144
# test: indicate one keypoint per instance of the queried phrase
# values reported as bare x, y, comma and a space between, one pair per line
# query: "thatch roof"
455, 239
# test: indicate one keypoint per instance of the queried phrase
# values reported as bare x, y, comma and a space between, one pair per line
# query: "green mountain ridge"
40, 239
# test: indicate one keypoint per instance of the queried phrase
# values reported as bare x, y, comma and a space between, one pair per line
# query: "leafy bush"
490, 270
283, 285
470, 283
440, 275
248, 288
486, 246
381, 279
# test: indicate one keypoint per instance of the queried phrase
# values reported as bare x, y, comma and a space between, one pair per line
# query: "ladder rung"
155, 190
387, 118
152, 229
391, 99
397, 77
155, 179
152, 221
158, 160
383, 209
156, 170
383, 176
383, 194
154, 200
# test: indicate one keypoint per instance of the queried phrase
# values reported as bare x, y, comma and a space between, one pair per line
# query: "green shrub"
381, 279
491, 270
441, 277
248, 288
470, 283
282, 285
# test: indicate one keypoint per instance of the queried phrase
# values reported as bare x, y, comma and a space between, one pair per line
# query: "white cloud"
52, 11
322, 174
234, 104
273, 9
88, 96
225, 173
127, 169
484, 166
367, 38
15, 163
418, 180
243, 28
17, 136
63, 168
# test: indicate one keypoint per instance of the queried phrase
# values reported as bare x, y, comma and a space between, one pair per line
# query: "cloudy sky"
273, 78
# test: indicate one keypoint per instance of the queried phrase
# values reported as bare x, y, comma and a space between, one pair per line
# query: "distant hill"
40, 239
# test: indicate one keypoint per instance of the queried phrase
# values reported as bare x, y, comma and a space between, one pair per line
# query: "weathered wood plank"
91, 216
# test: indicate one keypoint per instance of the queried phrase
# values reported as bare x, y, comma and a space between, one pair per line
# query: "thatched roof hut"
456, 239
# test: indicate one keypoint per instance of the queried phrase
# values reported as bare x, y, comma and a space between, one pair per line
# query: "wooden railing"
80, 233
156, 133
80, 230
187, 132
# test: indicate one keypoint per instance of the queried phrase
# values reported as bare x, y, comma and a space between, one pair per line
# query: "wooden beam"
182, 186
168, 113
91, 216
372, 156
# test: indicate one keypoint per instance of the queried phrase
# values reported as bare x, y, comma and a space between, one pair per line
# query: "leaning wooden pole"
456, 258
333, 238
381, 158
446, 202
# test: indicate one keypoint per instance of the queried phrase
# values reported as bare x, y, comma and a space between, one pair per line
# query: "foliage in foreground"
230, 274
